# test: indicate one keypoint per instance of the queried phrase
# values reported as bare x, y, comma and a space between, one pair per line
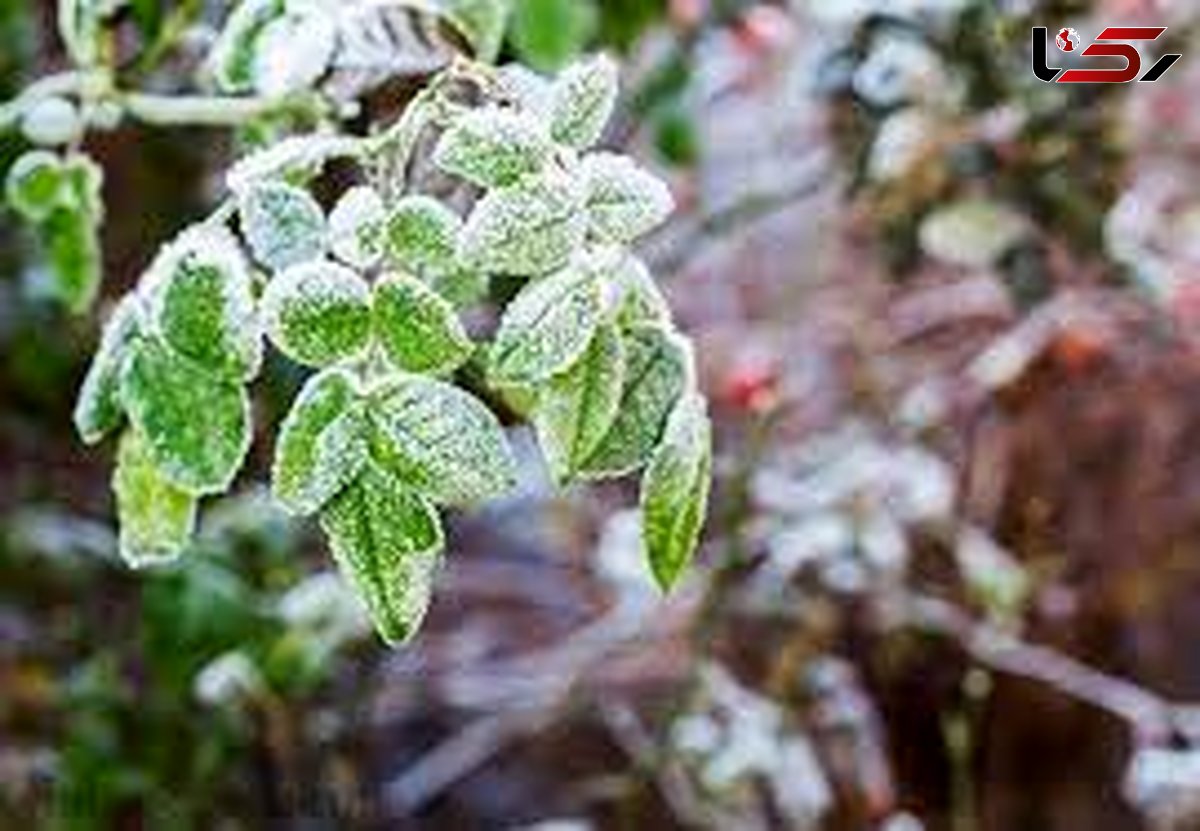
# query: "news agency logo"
1114, 42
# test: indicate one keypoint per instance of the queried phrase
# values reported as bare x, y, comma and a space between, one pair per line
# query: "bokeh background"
947, 315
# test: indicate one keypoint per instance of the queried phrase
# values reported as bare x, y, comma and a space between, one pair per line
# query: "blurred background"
947, 315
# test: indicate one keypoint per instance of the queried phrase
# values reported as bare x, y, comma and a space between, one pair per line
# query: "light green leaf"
356, 226
233, 55
585, 95
199, 297
527, 229
318, 313
322, 444
422, 234
658, 370
440, 440
547, 326
156, 517
642, 301
79, 23
283, 224
575, 410
196, 426
418, 330
493, 147
34, 185
98, 409
387, 541
675, 490
71, 239
460, 287
548, 33
624, 200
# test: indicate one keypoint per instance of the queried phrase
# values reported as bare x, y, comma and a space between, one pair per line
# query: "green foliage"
417, 329
547, 34
157, 517
675, 490
493, 147
583, 100
624, 201
98, 409
318, 313
284, 226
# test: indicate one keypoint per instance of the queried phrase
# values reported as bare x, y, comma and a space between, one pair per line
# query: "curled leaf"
575, 410
322, 444
440, 440
318, 313
156, 517
387, 541
658, 370
675, 490
492, 147
282, 223
547, 326
526, 229
584, 97
196, 426
418, 330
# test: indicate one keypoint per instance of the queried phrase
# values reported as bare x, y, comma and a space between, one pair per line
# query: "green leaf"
356, 226
624, 200
440, 440
527, 229
98, 409
322, 444
549, 33
196, 426
481, 22
422, 235
199, 297
493, 147
387, 541
642, 301
318, 313
71, 241
575, 410
658, 370
282, 223
156, 517
233, 55
418, 330
79, 24
675, 490
460, 287
34, 185
584, 97
547, 326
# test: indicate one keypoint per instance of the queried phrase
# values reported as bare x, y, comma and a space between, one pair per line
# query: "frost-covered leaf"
322, 444
318, 313
481, 22
282, 223
196, 426
642, 302
379, 43
418, 330
493, 147
460, 287
34, 184
199, 297
156, 517
79, 26
296, 158
422, 234
585, 95
527, 229
675, 490
658, 369
624, 200
576, 409
356, 226
387, 541
234, 54
440, 440
532, 92
293, 50
98, 408
547, 326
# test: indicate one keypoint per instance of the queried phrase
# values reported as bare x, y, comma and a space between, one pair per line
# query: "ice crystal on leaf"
318, 313
283, 224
